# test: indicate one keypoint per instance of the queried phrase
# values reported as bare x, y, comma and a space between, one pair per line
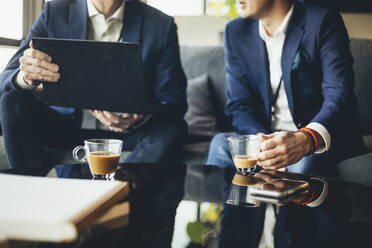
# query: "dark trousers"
30, 126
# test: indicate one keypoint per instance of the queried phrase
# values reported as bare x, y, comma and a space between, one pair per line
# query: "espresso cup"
102, 155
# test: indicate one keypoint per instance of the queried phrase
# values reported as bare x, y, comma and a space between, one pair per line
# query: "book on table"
53, 209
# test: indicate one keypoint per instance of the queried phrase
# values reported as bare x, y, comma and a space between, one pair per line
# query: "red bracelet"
311, 197
309, 137
315, 137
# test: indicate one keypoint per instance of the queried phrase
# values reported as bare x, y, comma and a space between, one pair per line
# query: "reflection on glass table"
274, 187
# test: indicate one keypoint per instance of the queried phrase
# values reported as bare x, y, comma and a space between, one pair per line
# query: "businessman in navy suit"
289, 66
30, 126
289, 73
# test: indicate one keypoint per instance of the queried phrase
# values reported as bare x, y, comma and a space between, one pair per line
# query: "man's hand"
281, 149
37, 66
116, 122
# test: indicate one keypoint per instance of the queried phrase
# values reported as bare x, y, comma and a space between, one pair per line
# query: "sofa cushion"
209, 60
368, 142
200, 115
356, 170
361, 50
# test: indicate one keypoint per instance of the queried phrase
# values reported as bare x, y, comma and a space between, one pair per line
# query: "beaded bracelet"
309, 137
315, 137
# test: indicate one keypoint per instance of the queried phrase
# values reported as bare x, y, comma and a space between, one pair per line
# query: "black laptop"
96, 75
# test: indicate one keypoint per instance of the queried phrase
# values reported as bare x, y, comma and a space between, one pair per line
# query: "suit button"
300, 124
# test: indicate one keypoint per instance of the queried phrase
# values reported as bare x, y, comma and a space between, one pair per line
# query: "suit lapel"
257, 59
79, 20
133, 22
291, 45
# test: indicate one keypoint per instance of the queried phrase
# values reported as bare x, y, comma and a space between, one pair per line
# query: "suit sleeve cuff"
323, 195
21, 83
323, 132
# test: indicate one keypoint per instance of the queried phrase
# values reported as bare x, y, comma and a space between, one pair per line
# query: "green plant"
200, 231
223, 8
233, 13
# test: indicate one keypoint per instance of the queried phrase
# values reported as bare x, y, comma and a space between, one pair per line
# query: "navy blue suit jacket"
155, 31
317, 73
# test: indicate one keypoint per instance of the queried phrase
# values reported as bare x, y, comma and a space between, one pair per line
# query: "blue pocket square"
300, 60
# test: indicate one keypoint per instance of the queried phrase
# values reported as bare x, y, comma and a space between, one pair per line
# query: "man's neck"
275, 16
107, 7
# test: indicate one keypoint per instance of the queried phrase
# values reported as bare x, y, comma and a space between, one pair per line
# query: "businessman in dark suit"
289, 73
289, 68
30, 126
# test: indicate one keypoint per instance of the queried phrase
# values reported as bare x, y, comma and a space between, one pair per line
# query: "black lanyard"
275, 98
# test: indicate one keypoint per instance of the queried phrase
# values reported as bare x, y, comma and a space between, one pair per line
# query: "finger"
93, 113
34, 53
137, 116
263, 177
40, 63
112, 117
29, 76
271, 162
124, 123
102, 118
126, 116
268, 144
268, 186
270, 154
42, 73
118, 130
279, 184
274, 173
277, 166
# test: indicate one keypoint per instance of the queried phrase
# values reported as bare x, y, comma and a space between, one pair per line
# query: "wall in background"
358, 25
206, 30
200, 30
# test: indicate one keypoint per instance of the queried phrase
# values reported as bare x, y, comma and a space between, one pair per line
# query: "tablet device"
96, 75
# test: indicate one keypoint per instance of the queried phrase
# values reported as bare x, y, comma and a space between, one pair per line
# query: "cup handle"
76, 151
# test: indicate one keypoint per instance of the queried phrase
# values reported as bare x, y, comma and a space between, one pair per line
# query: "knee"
219, 145
307, 165
12, 105
11, 100
7, 101
169, 133
8, 104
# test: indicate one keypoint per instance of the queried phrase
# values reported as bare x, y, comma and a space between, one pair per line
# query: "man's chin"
249, 17
247, 14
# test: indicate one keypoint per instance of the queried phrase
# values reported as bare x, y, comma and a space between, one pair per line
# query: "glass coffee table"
158, 189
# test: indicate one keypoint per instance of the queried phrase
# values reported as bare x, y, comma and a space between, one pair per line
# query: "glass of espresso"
244, 151
102, 155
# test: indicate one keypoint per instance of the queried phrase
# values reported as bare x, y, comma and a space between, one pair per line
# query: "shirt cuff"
323, 195
21, 83
323, 132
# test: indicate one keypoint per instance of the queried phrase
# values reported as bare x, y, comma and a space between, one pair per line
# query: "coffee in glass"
102, 155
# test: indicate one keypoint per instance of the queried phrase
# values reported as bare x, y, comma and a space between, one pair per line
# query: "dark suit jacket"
155, 31
317, 73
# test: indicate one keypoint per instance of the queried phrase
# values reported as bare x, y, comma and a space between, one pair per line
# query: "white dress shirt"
282, 118
102, 29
